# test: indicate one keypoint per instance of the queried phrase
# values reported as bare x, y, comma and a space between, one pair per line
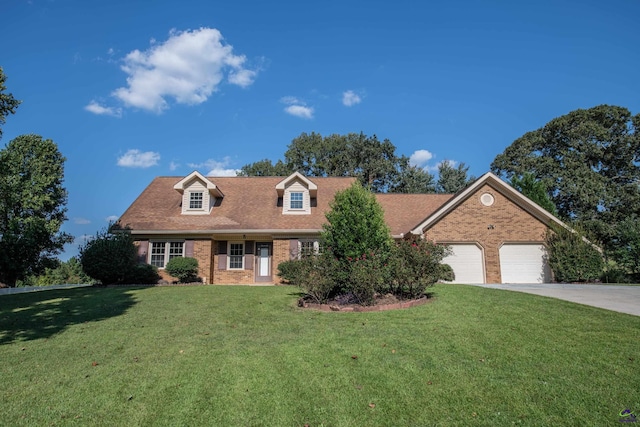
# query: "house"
240, 228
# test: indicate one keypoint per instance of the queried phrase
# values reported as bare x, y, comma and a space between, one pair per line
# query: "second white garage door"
524, 263
467, 263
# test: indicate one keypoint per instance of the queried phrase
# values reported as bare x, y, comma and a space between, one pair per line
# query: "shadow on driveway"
623, 299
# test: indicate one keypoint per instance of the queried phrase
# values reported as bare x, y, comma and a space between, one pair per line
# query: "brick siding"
488, 226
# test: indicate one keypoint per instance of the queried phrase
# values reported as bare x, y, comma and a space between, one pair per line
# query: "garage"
524, 263
467, 262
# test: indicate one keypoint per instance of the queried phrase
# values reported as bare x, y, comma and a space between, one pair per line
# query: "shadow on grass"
35, 315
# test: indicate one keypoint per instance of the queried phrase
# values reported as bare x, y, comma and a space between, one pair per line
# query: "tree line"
583, 167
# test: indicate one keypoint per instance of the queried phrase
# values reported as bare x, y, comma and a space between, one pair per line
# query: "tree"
572, 257
414, 180
535, 190
32, 207
373, 161
265, 168
589, 161
355, 224
452, 179
8, 104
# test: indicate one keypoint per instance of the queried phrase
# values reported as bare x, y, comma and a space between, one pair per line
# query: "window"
195, 200
162, 252
308, 247
296, 200
236, 256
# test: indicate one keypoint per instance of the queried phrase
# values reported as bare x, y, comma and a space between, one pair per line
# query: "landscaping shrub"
416, 265
185, 269
571, 257
112, 258
446, 273
367, 276
314, 274
142, 274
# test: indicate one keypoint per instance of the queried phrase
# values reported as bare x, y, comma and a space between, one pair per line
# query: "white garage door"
467, 263
524, 263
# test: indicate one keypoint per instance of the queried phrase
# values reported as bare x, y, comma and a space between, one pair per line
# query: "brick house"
240, 228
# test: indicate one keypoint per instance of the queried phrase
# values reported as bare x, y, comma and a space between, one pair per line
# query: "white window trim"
202, 207
229, 255
167, 248
301, 201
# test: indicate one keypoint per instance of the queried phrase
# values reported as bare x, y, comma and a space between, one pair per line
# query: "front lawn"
247, 356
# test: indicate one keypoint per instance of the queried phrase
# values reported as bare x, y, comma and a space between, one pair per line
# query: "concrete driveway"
624, 299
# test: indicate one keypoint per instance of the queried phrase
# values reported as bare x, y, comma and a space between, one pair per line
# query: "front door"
263, 261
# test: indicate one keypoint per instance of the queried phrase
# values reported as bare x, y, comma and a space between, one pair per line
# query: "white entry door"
263, 262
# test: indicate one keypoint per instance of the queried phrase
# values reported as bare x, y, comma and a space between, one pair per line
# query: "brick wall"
202, 252
281, 252
488, 226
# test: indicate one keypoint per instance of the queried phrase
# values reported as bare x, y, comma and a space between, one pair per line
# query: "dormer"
198, 194
297, 192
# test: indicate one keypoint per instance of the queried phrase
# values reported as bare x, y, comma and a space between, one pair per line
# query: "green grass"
247, 356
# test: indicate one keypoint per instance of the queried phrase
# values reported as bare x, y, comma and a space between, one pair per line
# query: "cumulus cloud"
420, 158
95, 108
350, 98
216, 168
81, 221
112, 218
138, 159
173, 166
297, 107
187, 68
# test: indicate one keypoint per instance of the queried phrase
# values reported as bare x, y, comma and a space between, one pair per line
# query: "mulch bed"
382, 303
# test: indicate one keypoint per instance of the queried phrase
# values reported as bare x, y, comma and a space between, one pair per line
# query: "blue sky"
130, 90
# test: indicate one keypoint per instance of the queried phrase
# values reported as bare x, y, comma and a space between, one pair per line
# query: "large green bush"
416, 265
572, 257
314, 274
185, 269
111, 258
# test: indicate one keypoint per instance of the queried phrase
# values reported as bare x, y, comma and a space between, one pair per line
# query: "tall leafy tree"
374, 162
535, 190
589, 161
452, 179
414, 180
32, 207
265, 168
8, 104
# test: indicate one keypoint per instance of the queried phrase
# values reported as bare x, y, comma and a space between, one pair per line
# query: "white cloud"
350, 98
216, 168
138, 159
95, 108
452, 163
81, 221
296, 107
173, 166
420, 158
188, 67
300, 111
112, 218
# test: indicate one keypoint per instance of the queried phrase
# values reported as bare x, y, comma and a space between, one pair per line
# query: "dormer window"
195, 200
296, 200
297, 194
199, 194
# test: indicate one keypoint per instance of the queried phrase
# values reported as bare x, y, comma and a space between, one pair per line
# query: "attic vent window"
487, 199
